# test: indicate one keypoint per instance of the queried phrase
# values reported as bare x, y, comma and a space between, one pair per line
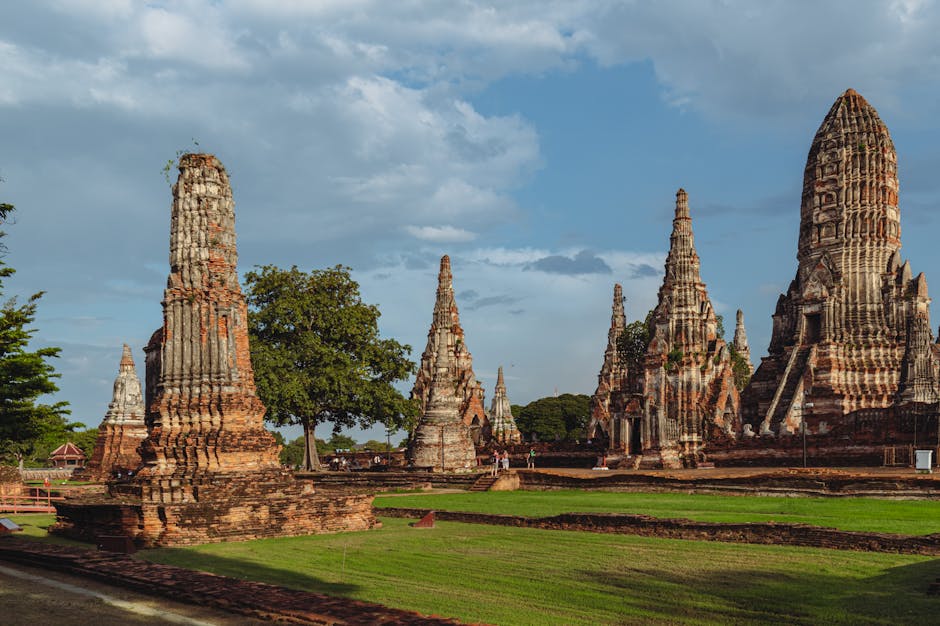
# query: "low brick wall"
646, 526
261, 601
52, 474
390, 480
771, 484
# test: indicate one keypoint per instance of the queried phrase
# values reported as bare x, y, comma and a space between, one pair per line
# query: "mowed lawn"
906, 517
502, 575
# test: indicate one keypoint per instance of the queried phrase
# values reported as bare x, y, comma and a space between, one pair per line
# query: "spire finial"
682, 203
444, 277
127, 358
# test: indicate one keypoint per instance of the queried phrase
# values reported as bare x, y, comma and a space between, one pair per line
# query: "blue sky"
540, 144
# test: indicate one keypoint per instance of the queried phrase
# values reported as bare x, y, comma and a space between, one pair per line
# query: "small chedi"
503, 424
442, 439
469, 391
740, 342
852, 358
123, 428
682, 392
210, 470
617, 403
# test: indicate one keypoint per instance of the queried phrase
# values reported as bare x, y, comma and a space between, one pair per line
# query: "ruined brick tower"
501, 419
851, 336
688, 379
122, 430
469, 390
616, 405
441, 439
210, 470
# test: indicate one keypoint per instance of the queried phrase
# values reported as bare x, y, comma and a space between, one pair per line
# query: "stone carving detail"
469, 391
210, 470
123, 429
688, 379
918, 370
501, 419
442, 440
852, 332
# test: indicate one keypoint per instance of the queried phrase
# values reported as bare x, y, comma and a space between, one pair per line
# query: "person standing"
495, 462
530, 459
506, 460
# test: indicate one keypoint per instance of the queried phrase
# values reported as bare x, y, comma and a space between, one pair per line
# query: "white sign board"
923, 459
8, 525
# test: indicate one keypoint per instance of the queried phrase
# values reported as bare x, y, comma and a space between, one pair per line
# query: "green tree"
551, 418
25, 376
741, 369
341, 442
85, 439
318, 355
293, 452
278, 437
634, 341
374, 445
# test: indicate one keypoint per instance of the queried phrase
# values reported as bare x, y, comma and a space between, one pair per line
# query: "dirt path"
30, 596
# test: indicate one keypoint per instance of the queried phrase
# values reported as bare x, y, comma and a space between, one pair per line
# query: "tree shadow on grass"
246, 569
761, 597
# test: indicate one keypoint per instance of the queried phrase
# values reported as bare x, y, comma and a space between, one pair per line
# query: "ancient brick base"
813, 482
115, 452
224, 508
270, 603
644, 525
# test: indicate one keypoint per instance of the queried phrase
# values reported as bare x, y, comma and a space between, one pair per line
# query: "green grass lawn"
906, 517
508, 576
34, 526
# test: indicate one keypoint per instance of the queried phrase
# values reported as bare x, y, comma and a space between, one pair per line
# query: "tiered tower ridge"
469, 391
612, 376
688, 382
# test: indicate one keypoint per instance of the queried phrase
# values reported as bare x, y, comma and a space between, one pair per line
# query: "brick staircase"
484, 482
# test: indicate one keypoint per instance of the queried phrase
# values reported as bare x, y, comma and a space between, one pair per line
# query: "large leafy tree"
554, 417
25, 376
318, 356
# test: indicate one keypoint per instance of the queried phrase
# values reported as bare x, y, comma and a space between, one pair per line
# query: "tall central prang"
852, 333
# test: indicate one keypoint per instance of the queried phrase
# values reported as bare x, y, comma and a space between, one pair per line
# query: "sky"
538, 143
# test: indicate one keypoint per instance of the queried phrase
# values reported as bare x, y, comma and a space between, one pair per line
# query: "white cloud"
342, 121
441, 234
552, 327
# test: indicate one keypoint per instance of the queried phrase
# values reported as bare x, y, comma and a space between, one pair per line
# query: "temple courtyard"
489, 573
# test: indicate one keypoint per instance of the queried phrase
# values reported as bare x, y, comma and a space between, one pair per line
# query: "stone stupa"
502, 422
442, 440
123, 428
469, 391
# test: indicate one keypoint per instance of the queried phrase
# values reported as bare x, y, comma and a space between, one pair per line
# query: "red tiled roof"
67, 450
